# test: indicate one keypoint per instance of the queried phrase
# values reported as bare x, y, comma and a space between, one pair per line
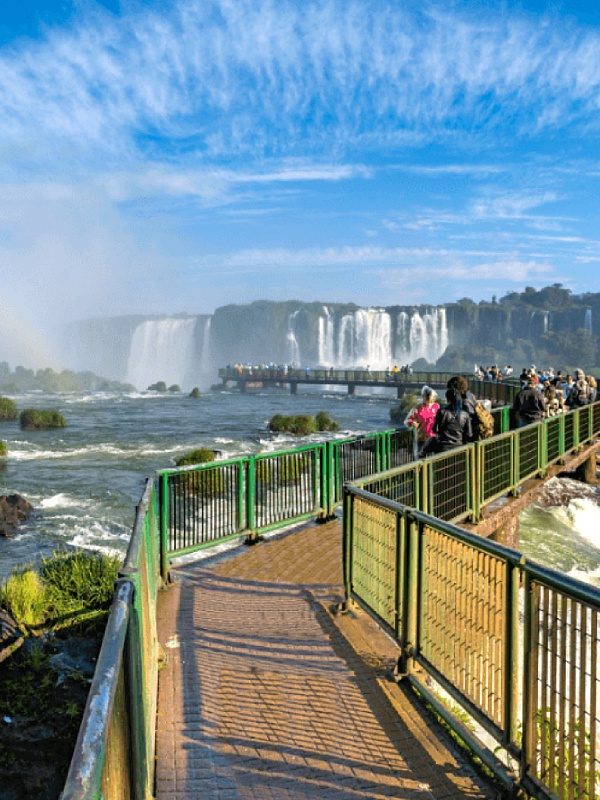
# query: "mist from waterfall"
163, 350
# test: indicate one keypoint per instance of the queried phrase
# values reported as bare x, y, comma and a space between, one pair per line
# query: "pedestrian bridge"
247, 378
316, 663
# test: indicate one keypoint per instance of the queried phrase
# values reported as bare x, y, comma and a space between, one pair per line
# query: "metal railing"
456, 485
114, 753
513, 643
191, 508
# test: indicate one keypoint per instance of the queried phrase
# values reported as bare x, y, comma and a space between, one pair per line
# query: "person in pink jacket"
422, 416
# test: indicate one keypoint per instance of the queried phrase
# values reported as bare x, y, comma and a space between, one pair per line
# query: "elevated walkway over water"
269, 694
246, 378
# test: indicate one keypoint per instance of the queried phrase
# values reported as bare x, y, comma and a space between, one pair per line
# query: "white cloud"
254, 76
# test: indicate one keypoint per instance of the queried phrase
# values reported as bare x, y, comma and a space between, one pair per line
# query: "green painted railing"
114, 753
188, 509
512, 643
212, 503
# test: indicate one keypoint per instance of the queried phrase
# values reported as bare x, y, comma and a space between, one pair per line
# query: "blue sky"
177, 156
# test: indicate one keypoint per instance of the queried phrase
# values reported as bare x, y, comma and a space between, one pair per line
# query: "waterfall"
163, 350
326, 339
292, 346
421, 336
587, 320
206, 366
346, 341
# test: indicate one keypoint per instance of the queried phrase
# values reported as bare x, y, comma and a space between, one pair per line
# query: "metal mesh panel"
496, 457
403, 487
569, 431
373, 567
355, 459
449, 485
462, 619
285, 486
401, 448
204, 505
585, 425
564, 717
528, 444
553, 428
596, 417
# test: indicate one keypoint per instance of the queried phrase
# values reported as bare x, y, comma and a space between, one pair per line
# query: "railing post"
411, 640
250, 496
512, 680
164, 527
347, 525
529, 685
476, 465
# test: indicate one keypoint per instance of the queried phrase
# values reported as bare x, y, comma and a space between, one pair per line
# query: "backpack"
485, 422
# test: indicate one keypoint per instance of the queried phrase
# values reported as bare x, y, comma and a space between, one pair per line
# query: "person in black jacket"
529, 405
452, 426
469, 402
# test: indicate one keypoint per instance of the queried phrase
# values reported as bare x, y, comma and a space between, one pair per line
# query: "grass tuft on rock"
8, 410
38, 419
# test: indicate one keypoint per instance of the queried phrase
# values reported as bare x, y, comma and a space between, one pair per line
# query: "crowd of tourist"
460, 420
544, 394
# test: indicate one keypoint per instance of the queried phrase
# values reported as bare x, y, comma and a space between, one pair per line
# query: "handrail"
514, 643
97, 759
114, 752
114, 755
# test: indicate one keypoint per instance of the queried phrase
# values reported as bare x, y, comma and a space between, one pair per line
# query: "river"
84, 480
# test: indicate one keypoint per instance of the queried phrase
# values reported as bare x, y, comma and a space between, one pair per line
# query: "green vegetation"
36, 419
79, 586
44, 683
325, 423
195, 392
200, 456
399, 413
175, 388
282, 469
68, 590
8, 410
3, 449
48, 380
159, 386
23, 595
302, 424
207, 483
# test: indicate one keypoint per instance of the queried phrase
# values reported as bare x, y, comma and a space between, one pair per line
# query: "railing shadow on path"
265, 695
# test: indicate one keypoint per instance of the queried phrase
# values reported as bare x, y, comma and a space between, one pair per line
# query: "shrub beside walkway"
268, 695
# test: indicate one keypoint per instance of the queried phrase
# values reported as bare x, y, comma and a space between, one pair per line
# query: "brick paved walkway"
268, 695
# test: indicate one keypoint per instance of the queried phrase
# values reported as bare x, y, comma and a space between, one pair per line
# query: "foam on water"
62, 500
582, 515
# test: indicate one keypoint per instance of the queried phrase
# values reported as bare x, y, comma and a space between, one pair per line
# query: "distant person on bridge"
452, 426
422, 416
529, 405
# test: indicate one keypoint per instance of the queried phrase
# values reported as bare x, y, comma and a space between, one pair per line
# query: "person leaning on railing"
422, 416
452, 426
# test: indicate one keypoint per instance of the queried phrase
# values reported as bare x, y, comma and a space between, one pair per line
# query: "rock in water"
14, 509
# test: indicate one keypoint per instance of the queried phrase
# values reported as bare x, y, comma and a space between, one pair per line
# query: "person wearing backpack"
529, 405
469, 402
452, 426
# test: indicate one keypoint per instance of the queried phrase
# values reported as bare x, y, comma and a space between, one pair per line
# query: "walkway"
269, 695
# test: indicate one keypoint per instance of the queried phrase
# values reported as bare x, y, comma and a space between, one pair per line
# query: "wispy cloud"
218, 79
